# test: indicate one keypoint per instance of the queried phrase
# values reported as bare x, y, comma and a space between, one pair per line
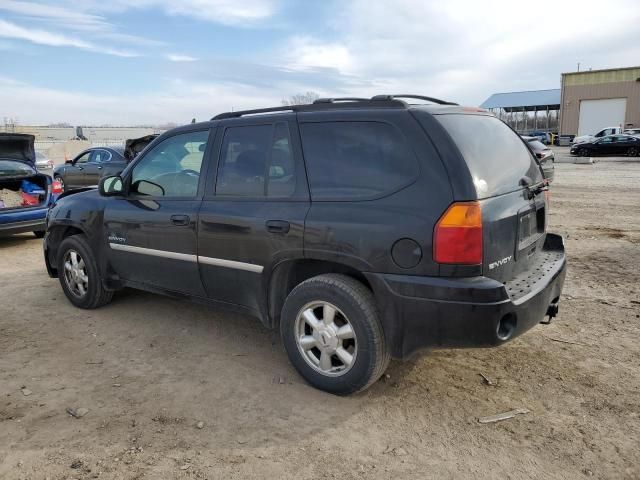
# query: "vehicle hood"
18, 146
133, 146
583, 139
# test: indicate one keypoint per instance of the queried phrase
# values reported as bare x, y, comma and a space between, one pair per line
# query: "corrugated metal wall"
599, 85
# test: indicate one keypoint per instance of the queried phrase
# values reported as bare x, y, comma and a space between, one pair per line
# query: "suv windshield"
497, 157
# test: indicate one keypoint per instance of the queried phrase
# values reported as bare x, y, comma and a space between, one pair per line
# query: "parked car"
86, 169
544, 155
602, 133
632, 131
616, 145
542, 137
43, 162
25, 194
402, 227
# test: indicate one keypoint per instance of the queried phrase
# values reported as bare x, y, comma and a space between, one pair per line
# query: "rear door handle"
278, 226
99, 168
180, 220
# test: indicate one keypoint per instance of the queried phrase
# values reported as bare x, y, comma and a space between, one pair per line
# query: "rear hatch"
510, 188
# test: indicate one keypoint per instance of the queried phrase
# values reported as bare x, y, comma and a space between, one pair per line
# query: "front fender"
76, 212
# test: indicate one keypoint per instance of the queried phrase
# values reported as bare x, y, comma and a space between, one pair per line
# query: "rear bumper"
29, 220
432, 312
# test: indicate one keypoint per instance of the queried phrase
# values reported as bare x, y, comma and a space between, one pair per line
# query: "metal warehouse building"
596, 99
526, 111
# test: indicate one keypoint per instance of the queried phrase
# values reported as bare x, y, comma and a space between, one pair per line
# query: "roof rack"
340, 99
384, 101
417, 97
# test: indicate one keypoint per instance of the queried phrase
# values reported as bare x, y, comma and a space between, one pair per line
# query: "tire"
633, 152
582, 152
94, 295
39, 233
61, 180
355, 306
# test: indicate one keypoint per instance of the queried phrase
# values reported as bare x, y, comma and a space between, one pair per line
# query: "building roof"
530, 100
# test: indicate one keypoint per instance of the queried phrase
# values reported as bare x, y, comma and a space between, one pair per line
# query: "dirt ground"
149, 369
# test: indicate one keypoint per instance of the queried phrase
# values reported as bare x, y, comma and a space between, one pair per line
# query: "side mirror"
68, 162
111, 186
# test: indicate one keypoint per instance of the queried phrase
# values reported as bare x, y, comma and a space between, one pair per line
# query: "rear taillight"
457, 238
56, 187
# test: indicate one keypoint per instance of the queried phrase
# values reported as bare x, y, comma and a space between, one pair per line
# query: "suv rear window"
497, 157
356, 160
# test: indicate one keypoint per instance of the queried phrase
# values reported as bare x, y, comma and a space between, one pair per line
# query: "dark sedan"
615, 145
544, 155
91, 165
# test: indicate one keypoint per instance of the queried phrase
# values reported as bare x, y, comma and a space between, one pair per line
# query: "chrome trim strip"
154, 253
219, 262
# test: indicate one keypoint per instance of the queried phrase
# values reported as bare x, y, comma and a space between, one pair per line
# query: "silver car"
43, 162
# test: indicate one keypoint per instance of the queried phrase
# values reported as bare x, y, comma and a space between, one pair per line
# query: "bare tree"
300, 99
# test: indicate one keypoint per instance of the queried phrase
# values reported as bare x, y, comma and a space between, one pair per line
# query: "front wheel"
582, 152
78, 274
61, 181
331, 330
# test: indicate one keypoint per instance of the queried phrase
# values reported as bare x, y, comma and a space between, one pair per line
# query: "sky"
149, 62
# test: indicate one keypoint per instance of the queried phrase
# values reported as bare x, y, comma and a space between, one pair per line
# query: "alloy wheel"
326, 339
75, 273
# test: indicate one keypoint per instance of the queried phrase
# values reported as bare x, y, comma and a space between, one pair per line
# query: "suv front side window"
171, 168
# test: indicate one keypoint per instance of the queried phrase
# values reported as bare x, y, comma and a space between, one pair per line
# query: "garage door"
598, 114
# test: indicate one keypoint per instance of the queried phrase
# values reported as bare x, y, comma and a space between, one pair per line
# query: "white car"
602, 133
43, 162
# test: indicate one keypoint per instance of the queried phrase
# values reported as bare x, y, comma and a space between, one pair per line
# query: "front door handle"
278, 226
180, 220
80, 168
99, 168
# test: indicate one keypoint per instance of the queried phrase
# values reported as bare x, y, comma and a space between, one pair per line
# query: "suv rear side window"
355, 160
496, 156
252, 154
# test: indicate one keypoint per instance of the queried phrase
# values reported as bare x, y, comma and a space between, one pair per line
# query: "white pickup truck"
602, 133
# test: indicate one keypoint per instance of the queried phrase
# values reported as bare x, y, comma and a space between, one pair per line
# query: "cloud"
66, 19
169, 103
43, 37
245, 13
303, 52
175, 57
465, 50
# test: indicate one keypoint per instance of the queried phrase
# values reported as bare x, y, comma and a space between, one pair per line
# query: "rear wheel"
633, 152
78, 274
331, 330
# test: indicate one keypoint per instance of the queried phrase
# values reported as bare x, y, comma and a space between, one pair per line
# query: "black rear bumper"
433, 312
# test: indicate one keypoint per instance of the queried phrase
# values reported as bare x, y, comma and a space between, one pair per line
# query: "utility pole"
578, 66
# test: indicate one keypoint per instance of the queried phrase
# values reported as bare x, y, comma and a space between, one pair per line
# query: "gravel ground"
175, 390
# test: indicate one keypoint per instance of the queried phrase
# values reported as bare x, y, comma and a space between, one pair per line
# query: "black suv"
363, 228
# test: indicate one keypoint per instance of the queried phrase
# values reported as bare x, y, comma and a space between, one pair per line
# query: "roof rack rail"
323, 104
240, 113
379, 98
340, 99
